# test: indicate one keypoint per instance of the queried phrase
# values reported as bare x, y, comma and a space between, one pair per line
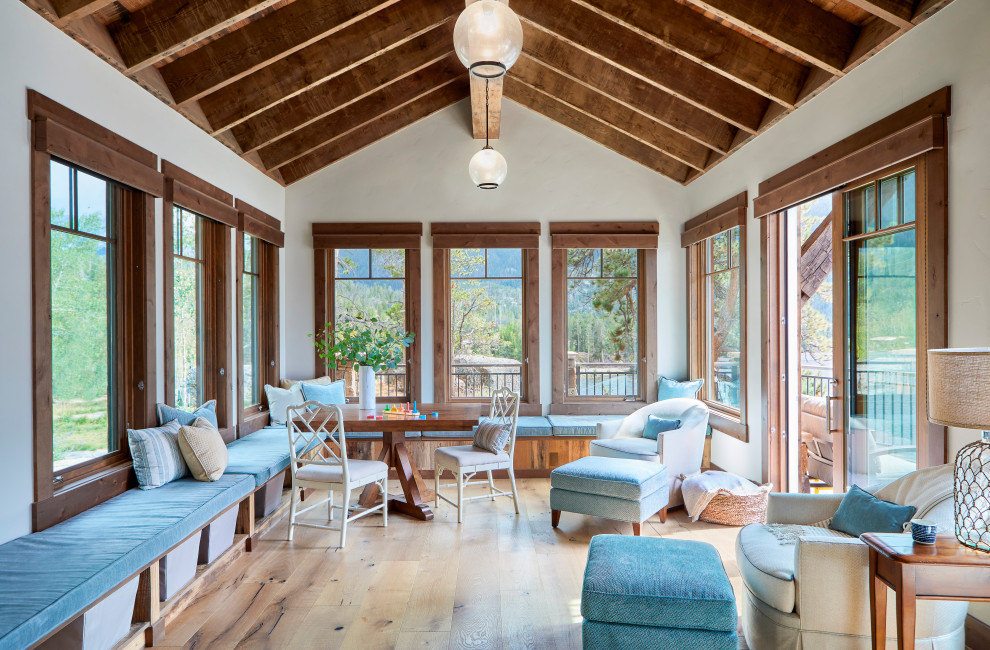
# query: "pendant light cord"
486, 114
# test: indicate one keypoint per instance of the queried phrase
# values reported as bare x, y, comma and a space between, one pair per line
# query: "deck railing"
469, 380
605, 379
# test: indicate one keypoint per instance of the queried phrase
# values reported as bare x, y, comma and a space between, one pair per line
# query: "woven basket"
730, 509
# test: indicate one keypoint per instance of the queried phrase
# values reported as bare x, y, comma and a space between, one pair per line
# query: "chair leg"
385, 502
292, 510
512, 482
555, 518
343, 516
437, 471
491, 486
636, 530
663, 515
460, 497
330, 506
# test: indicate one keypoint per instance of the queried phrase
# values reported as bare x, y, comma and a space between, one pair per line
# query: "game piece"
423, 416
371, 417
380, 417
435, 414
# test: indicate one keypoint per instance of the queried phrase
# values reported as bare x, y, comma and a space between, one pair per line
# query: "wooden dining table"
393, 427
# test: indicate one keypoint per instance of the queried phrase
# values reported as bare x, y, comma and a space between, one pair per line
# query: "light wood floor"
496, 581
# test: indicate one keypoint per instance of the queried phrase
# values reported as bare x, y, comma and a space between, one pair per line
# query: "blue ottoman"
613, 488
643, 592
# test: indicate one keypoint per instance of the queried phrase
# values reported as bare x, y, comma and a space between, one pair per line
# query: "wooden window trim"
857, 157
267, 231
220, 217
327, 239
643, 236
725, 216
523, 235
57, 130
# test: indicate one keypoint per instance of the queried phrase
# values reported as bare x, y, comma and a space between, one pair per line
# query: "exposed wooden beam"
384, 100
370, 133
709, 43
480, 109
261, 42
895, 12
336, 92
608, 111
627, 89
323, 59
797, 26
641, 57
161, 29
70, 10
601, 133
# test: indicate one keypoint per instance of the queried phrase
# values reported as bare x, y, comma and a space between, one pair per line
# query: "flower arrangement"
358, 340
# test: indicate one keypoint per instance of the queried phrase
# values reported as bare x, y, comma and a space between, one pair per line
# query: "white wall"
420, 174
952, 48
37, 55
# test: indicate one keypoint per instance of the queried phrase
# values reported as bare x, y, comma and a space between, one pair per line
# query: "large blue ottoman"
613, 488
649, 592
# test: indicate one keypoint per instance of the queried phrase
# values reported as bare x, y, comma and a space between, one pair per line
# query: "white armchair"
681, 450
807, 587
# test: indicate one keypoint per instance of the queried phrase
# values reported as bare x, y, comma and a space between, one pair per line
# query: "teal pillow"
168, 413
861, 512
332, 393
672, 389
655, 426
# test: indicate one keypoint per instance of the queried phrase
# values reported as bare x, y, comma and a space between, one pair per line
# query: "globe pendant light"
488, 38
487, 167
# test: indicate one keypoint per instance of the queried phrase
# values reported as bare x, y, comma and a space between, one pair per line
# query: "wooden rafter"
624, 48
67, 11
896, 12
323, 59
382, 127
596, 130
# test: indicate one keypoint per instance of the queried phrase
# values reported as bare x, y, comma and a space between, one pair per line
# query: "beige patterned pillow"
492, 436
203, 449
287, 384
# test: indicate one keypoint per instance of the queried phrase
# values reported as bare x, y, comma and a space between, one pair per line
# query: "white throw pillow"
280, 399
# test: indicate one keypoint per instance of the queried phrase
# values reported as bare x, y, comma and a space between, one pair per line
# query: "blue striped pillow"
156, 455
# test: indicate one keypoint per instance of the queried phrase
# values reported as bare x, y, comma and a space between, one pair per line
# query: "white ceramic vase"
366, 388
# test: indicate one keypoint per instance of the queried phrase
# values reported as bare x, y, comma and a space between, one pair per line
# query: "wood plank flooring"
496, 581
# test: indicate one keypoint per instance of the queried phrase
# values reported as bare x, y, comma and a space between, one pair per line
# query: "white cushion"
469, 456
280, 399
632, 448
358, 469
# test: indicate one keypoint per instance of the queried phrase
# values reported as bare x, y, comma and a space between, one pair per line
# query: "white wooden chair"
317, 431
465, 461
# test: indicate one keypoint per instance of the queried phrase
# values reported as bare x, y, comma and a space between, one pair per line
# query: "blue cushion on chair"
655, 426
672, 389
860, 512
332, 393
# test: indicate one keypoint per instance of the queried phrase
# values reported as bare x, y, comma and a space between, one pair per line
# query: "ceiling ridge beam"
721, 49
262, 42
331, 56
682, 77
380, 128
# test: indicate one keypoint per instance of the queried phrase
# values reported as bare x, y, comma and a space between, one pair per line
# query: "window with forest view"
603, 322
723, 317
188, 309
371, 283
82, 316
486, 321
250, 283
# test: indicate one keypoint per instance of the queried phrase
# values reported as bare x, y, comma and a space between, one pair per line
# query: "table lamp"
959, 396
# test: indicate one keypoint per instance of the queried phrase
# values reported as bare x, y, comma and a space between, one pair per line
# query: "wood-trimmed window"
486, 311
373, 269
197, 222
92, 217
259, 238
715, 242
604, 289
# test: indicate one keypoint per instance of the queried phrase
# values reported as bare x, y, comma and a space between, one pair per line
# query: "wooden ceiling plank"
641, 57
627, 89
388, 67
166, 27
895, 12
605, 135
797, 26
330, 56
873, 37
382, 127
480, 127
338, 123
709, 43
70, 10
261, 42
605, 109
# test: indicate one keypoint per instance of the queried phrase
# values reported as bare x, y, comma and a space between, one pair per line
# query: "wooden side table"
945, 571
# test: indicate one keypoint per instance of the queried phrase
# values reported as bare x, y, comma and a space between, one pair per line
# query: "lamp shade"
959, 387
488, 169
488, 38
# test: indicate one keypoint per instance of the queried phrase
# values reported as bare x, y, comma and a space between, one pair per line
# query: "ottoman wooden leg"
636, 529
663, 515
554, 518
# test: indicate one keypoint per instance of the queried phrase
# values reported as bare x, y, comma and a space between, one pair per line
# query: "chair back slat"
505, 410
319, 428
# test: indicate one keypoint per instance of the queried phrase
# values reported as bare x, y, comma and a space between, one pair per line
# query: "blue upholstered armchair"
680, 450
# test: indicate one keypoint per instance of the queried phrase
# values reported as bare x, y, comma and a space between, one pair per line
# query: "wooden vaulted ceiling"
295, 85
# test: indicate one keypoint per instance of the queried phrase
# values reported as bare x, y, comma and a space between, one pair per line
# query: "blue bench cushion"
533, 426
611, 477
578, 425
47, 578
262, 454
657, 582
